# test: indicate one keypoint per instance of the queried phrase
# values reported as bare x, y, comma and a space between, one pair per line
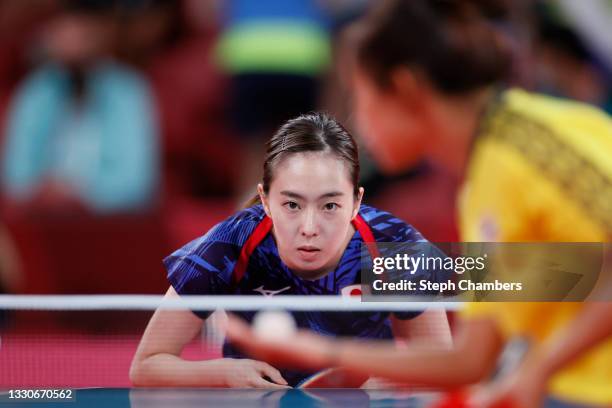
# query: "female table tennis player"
427, 78
304, 238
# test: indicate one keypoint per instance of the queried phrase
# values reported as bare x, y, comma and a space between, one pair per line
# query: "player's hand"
245, 373
304, 350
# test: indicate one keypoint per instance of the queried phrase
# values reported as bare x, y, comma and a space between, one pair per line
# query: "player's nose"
309, 226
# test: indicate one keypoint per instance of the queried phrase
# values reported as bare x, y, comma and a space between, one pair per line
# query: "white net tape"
236, 303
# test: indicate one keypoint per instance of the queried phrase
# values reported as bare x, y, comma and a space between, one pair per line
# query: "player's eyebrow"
331, 194
301, 197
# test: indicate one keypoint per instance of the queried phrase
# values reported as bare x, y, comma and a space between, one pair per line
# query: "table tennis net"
89, 341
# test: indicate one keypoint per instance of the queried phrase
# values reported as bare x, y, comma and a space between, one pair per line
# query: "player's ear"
264, 199
407, 84
357, 202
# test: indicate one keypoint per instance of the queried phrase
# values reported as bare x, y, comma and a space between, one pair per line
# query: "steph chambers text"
448, 286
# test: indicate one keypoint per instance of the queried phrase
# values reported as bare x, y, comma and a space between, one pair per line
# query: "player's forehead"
311, 175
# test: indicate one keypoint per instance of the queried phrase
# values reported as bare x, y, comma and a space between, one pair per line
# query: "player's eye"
292, 205
331, 206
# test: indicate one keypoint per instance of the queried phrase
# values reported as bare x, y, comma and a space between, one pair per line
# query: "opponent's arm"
472, 357
430, 327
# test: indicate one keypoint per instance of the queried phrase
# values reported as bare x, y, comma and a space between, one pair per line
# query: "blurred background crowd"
129, 127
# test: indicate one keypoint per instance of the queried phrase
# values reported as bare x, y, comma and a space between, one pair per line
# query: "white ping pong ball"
274, 325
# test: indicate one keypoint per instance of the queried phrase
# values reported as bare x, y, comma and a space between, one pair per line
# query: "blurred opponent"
429, 77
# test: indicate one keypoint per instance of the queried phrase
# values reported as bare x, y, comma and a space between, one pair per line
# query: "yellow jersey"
541, 170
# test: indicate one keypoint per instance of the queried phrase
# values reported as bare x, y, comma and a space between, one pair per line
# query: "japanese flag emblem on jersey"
351, 290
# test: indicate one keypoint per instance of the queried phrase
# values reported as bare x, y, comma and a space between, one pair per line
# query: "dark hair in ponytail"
454, 42
312, 132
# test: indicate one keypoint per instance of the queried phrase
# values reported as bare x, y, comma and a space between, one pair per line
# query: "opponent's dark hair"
455, 43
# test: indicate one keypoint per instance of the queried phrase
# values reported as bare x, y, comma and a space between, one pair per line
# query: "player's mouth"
308, 252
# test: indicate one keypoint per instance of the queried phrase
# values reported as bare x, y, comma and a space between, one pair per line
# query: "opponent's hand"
305, 350
245, 373
520, 389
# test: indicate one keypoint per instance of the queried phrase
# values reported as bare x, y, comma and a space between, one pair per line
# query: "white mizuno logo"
269, 293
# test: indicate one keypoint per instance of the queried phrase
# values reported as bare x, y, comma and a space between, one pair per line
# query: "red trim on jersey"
264, 227
260, 232
366, 234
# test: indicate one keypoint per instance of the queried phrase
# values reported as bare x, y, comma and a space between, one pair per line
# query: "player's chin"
309, 270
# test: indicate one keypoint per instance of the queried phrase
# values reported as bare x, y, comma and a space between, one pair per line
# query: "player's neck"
457, 123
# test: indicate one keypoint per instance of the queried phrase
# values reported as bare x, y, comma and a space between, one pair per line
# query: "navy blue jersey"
205, 266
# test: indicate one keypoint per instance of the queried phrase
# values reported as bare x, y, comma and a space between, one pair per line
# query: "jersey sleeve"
201, 267
532, 179
406, 239
205, 265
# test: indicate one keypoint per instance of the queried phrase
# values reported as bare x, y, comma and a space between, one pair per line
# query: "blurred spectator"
173, 42
19, 21
81, 129
565, 64
276, 52
592, 20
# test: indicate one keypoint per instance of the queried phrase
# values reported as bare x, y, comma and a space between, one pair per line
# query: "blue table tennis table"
232, 398
238, 398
